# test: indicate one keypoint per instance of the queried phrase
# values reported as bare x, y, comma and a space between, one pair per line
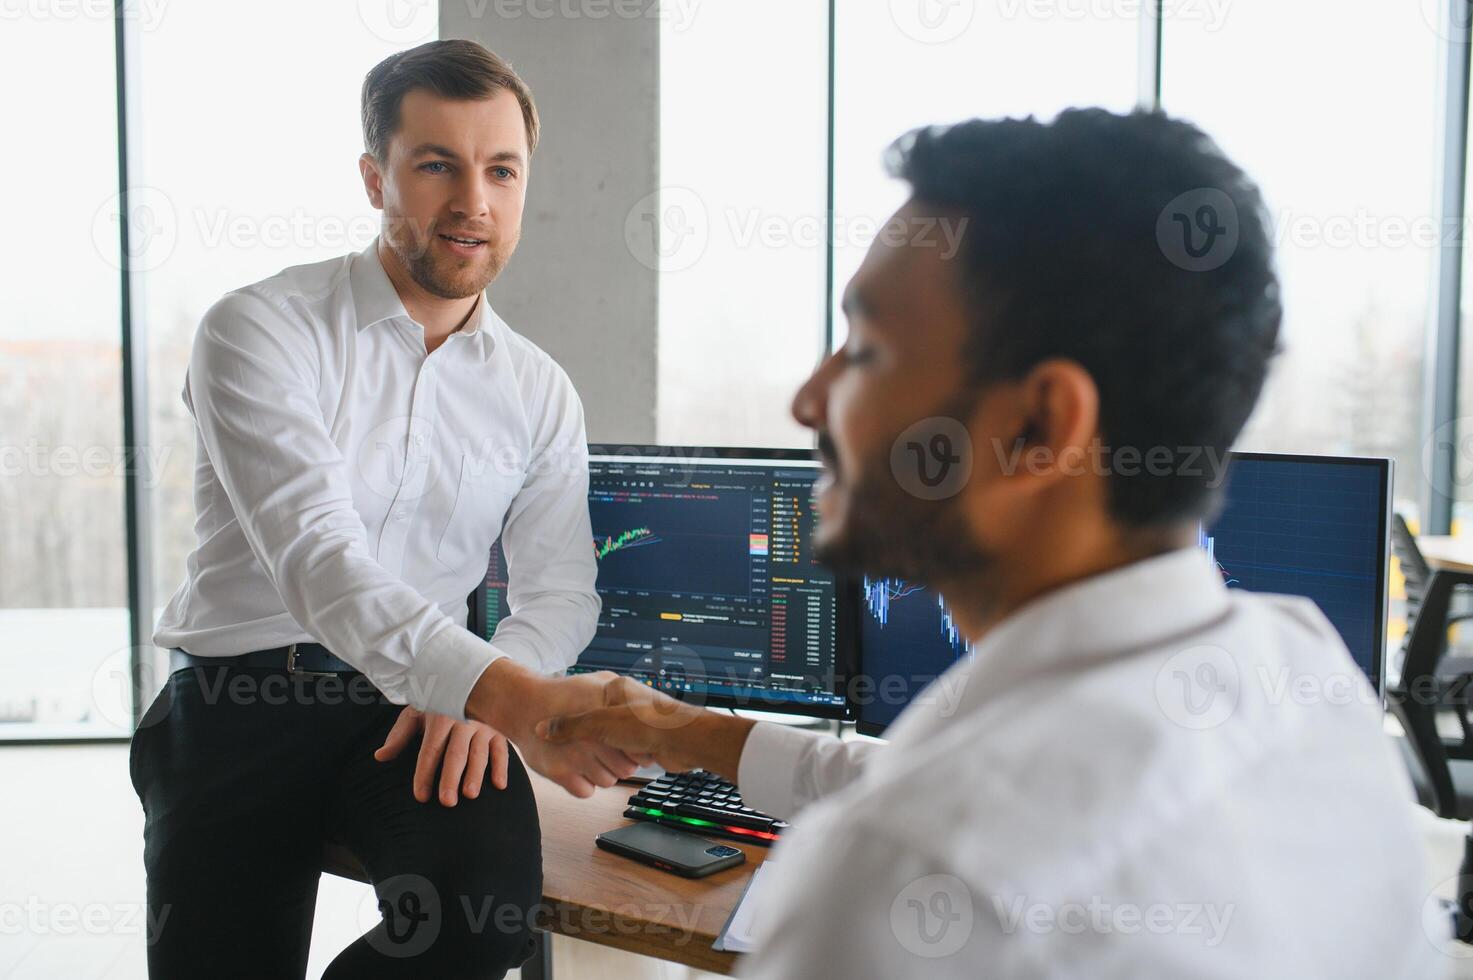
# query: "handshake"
594, 729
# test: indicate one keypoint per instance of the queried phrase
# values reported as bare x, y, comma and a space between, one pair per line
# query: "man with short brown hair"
366, 428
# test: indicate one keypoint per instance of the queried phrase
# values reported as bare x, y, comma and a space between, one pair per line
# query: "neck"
1047, 563
439, 316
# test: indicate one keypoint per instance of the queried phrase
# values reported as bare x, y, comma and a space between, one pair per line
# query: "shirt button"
400, 514
419, 440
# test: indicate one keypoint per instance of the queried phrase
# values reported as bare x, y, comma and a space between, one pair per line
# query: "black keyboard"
703, 803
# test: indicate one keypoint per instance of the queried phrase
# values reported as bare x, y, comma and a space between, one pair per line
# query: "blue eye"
504, 174
433, 163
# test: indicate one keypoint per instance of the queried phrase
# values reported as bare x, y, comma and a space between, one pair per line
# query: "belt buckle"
295, 671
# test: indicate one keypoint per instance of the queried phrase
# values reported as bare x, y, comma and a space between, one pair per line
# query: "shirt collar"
1135, 607
375, 299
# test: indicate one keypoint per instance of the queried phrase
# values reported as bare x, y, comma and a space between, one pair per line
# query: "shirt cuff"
767, 772
446, 668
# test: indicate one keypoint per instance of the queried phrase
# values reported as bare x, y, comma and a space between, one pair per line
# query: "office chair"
1417, 572
1432, 702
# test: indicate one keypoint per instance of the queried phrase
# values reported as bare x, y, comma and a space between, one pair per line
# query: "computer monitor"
906, 639
1314, 526
709, 586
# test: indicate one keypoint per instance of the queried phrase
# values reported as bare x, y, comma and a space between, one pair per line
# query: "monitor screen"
906, 640
1313, 526
709, 586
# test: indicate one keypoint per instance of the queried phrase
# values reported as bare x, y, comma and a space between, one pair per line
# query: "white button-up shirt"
349, 487
1142, 774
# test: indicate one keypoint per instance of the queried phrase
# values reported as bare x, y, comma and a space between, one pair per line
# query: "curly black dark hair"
1131, 245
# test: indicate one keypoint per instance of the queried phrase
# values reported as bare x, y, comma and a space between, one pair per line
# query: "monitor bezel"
844, 592
1386, 469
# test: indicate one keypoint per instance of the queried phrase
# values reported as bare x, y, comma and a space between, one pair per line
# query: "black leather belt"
300, 659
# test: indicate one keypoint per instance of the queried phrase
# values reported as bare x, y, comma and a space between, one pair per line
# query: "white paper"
740, 929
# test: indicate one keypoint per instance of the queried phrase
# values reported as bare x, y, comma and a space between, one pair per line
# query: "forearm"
503, 695
549, 630
715, 743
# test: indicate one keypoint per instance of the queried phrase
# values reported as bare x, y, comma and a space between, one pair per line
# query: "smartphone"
671, 850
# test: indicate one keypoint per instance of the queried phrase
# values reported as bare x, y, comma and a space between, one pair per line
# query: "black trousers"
244, 773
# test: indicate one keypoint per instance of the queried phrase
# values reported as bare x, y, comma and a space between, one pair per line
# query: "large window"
771, 188
63, 565
1333, 113
743, 122
230, 182
901, 65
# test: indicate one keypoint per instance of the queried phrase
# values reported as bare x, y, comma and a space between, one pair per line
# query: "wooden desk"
1443, 551
590, 894
602, 898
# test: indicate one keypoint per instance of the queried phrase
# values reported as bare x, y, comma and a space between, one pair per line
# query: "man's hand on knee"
457, 751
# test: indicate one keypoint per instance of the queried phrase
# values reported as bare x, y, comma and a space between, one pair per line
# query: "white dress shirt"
1143, 774
348, 486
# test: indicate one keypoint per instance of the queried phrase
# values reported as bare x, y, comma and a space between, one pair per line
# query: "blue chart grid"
908, 639
1309, 528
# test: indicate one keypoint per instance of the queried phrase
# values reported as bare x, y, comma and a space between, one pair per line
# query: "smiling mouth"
464, 242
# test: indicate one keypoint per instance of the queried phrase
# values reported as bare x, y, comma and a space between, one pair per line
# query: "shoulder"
284, 317
295, 296
1062, 763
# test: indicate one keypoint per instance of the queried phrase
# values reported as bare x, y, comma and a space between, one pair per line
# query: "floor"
76, 911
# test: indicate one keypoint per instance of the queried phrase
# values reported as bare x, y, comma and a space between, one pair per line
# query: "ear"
373, 181
1057, 419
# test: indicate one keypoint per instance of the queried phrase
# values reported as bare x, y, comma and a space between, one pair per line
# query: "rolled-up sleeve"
252, 388
548, 541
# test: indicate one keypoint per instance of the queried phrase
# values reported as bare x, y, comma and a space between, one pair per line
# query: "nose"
810, 404
471, 199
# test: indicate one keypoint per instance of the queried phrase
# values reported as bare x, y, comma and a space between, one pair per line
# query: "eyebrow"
424, 149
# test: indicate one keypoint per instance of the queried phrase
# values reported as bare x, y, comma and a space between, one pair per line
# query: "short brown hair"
456, 68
